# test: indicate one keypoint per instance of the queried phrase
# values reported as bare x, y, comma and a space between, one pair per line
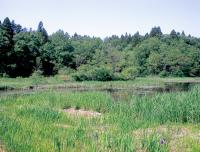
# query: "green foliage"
84, 48
95, 73
63, 49
154, 144
42, 32
167, 57
49, 59
155, 32
56, 53
173, 34
102, 74
129, 73
6, 44
23, 57
24, 51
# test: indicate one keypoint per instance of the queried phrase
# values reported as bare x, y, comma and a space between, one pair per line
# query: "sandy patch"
81, 112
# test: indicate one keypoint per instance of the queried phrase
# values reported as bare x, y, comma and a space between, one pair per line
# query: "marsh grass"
31, 122
154, 143
59, 81
65, 82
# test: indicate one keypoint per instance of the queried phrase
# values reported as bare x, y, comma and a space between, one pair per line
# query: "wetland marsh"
92, 120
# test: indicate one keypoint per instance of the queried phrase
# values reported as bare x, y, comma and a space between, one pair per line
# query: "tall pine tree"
6, 44
42, 31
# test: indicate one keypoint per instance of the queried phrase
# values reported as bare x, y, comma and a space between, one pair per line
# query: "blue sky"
105, 17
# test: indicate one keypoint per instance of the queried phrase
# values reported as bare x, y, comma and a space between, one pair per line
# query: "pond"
116, 93
126, 94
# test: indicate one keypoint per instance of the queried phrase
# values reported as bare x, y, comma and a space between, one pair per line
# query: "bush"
79, 76
94, 73
176, 71
164, 74
130, 73
102, 74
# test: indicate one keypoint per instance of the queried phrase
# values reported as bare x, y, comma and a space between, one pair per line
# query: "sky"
105, 17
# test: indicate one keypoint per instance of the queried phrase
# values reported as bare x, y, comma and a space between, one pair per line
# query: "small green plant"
77, 107
154, 143
66, 107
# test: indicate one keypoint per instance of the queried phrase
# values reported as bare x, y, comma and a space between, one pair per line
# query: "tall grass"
64, 81
36, 122
20, 83
174, 107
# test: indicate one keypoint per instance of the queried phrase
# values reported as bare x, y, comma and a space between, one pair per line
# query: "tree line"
25, 51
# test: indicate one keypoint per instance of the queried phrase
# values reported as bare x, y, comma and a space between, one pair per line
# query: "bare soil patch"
82, 112
1, 149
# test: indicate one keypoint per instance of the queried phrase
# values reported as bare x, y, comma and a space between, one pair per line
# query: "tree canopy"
23, 52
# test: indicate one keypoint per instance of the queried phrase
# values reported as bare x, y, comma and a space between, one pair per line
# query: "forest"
25, 52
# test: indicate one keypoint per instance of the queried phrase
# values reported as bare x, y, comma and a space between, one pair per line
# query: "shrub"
94, 73
102, 74
164, 74
130, 73
79, 76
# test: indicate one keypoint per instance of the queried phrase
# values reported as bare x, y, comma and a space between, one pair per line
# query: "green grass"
35, 122
19, 82
65, 82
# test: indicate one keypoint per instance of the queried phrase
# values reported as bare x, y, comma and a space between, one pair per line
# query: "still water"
126, 94
118, 94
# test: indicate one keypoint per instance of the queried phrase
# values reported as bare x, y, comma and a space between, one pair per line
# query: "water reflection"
119, 94
126, 94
